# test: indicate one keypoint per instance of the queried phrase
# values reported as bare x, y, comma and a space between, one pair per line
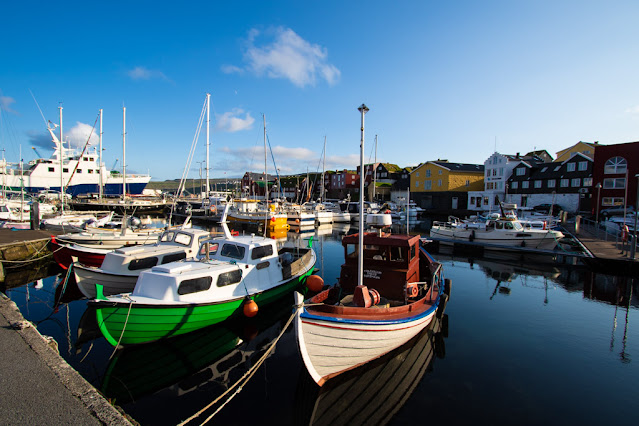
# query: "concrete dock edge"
95, 404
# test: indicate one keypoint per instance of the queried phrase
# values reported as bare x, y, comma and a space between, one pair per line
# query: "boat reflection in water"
212, 358
374, 392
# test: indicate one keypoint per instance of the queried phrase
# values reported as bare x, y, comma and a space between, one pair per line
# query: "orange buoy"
315, 283
250, 308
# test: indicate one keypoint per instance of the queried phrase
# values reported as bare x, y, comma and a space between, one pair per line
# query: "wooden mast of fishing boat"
363, 109
123, 154
61, 155
100, 183
208, 143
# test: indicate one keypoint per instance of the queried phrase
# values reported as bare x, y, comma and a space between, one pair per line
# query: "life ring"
213, 209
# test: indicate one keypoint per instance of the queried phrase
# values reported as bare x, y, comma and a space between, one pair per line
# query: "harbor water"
524, 341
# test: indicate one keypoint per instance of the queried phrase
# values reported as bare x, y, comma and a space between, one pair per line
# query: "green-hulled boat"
180, 297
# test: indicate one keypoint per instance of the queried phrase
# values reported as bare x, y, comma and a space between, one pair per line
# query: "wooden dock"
608, 253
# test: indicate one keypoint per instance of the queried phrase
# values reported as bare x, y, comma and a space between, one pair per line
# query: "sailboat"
388, 291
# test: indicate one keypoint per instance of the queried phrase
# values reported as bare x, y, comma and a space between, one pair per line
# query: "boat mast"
208, 112
375, 170
323, 195
363, 109
123, 153
100, 184
61, 155
266, 214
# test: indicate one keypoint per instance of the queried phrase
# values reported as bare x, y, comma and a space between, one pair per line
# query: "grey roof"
460, 167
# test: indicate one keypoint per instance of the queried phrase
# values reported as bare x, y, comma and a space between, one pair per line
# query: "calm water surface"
523, 342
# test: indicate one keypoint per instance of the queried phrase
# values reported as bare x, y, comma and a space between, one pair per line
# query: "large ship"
80, 173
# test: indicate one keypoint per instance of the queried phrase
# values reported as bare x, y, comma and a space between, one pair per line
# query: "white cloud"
231, 69
634, 111
5, 103
234, 121
288, 56
76, 137
237, 161
143, 73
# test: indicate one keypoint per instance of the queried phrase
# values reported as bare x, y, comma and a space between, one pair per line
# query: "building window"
467, 182
525, 184
544, 169
51, 169
485, 201
515, 185
428, 184
583, 166
616, 165
501, 171
520, 171
570, 167
494, 172
427, 173
416, 174
537, 184
440, 172
557, 169
612, 201
416, 184
552, 183
587, 181
439, 182
614, 183
575, 183
564, 183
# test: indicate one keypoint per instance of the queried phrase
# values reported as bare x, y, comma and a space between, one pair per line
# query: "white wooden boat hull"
330, 348
87, 278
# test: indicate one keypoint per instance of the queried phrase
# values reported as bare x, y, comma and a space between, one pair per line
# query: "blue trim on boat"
341, 320
90, 188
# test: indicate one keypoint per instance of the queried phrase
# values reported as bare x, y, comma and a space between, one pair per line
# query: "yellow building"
586, 148
442, 176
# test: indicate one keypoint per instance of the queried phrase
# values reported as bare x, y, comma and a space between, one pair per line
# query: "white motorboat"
503, 231
121, 268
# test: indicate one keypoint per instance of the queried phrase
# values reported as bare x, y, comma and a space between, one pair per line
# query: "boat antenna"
363, 109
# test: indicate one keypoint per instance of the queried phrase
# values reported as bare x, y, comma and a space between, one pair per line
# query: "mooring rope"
124, 327
244, 379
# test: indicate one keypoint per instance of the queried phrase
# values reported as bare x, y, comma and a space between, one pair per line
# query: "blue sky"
443, 80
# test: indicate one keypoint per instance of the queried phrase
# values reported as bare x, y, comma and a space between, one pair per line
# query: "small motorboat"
121, 267
230, 275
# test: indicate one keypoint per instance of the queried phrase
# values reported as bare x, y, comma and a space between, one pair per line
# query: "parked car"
616, 211
545, 208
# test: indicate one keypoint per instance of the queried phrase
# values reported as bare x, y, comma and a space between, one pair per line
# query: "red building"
614, 175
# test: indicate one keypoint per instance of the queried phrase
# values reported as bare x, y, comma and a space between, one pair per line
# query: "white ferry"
80, 174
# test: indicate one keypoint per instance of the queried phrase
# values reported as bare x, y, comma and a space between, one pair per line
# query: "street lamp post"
598, 186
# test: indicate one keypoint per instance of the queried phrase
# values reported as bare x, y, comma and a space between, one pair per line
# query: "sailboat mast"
61, 155
265, 178
123, 153
375, 170
208, 143
101, 183
323, 172
363, 109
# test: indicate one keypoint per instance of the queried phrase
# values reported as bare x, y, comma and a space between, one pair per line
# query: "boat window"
499, 225
144, 263
232, 251
397, 254
173, 257
212, 248
194, 285
167, 236
262, 251
518, 226
183, 239
412, 252
508, 225
228, 278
